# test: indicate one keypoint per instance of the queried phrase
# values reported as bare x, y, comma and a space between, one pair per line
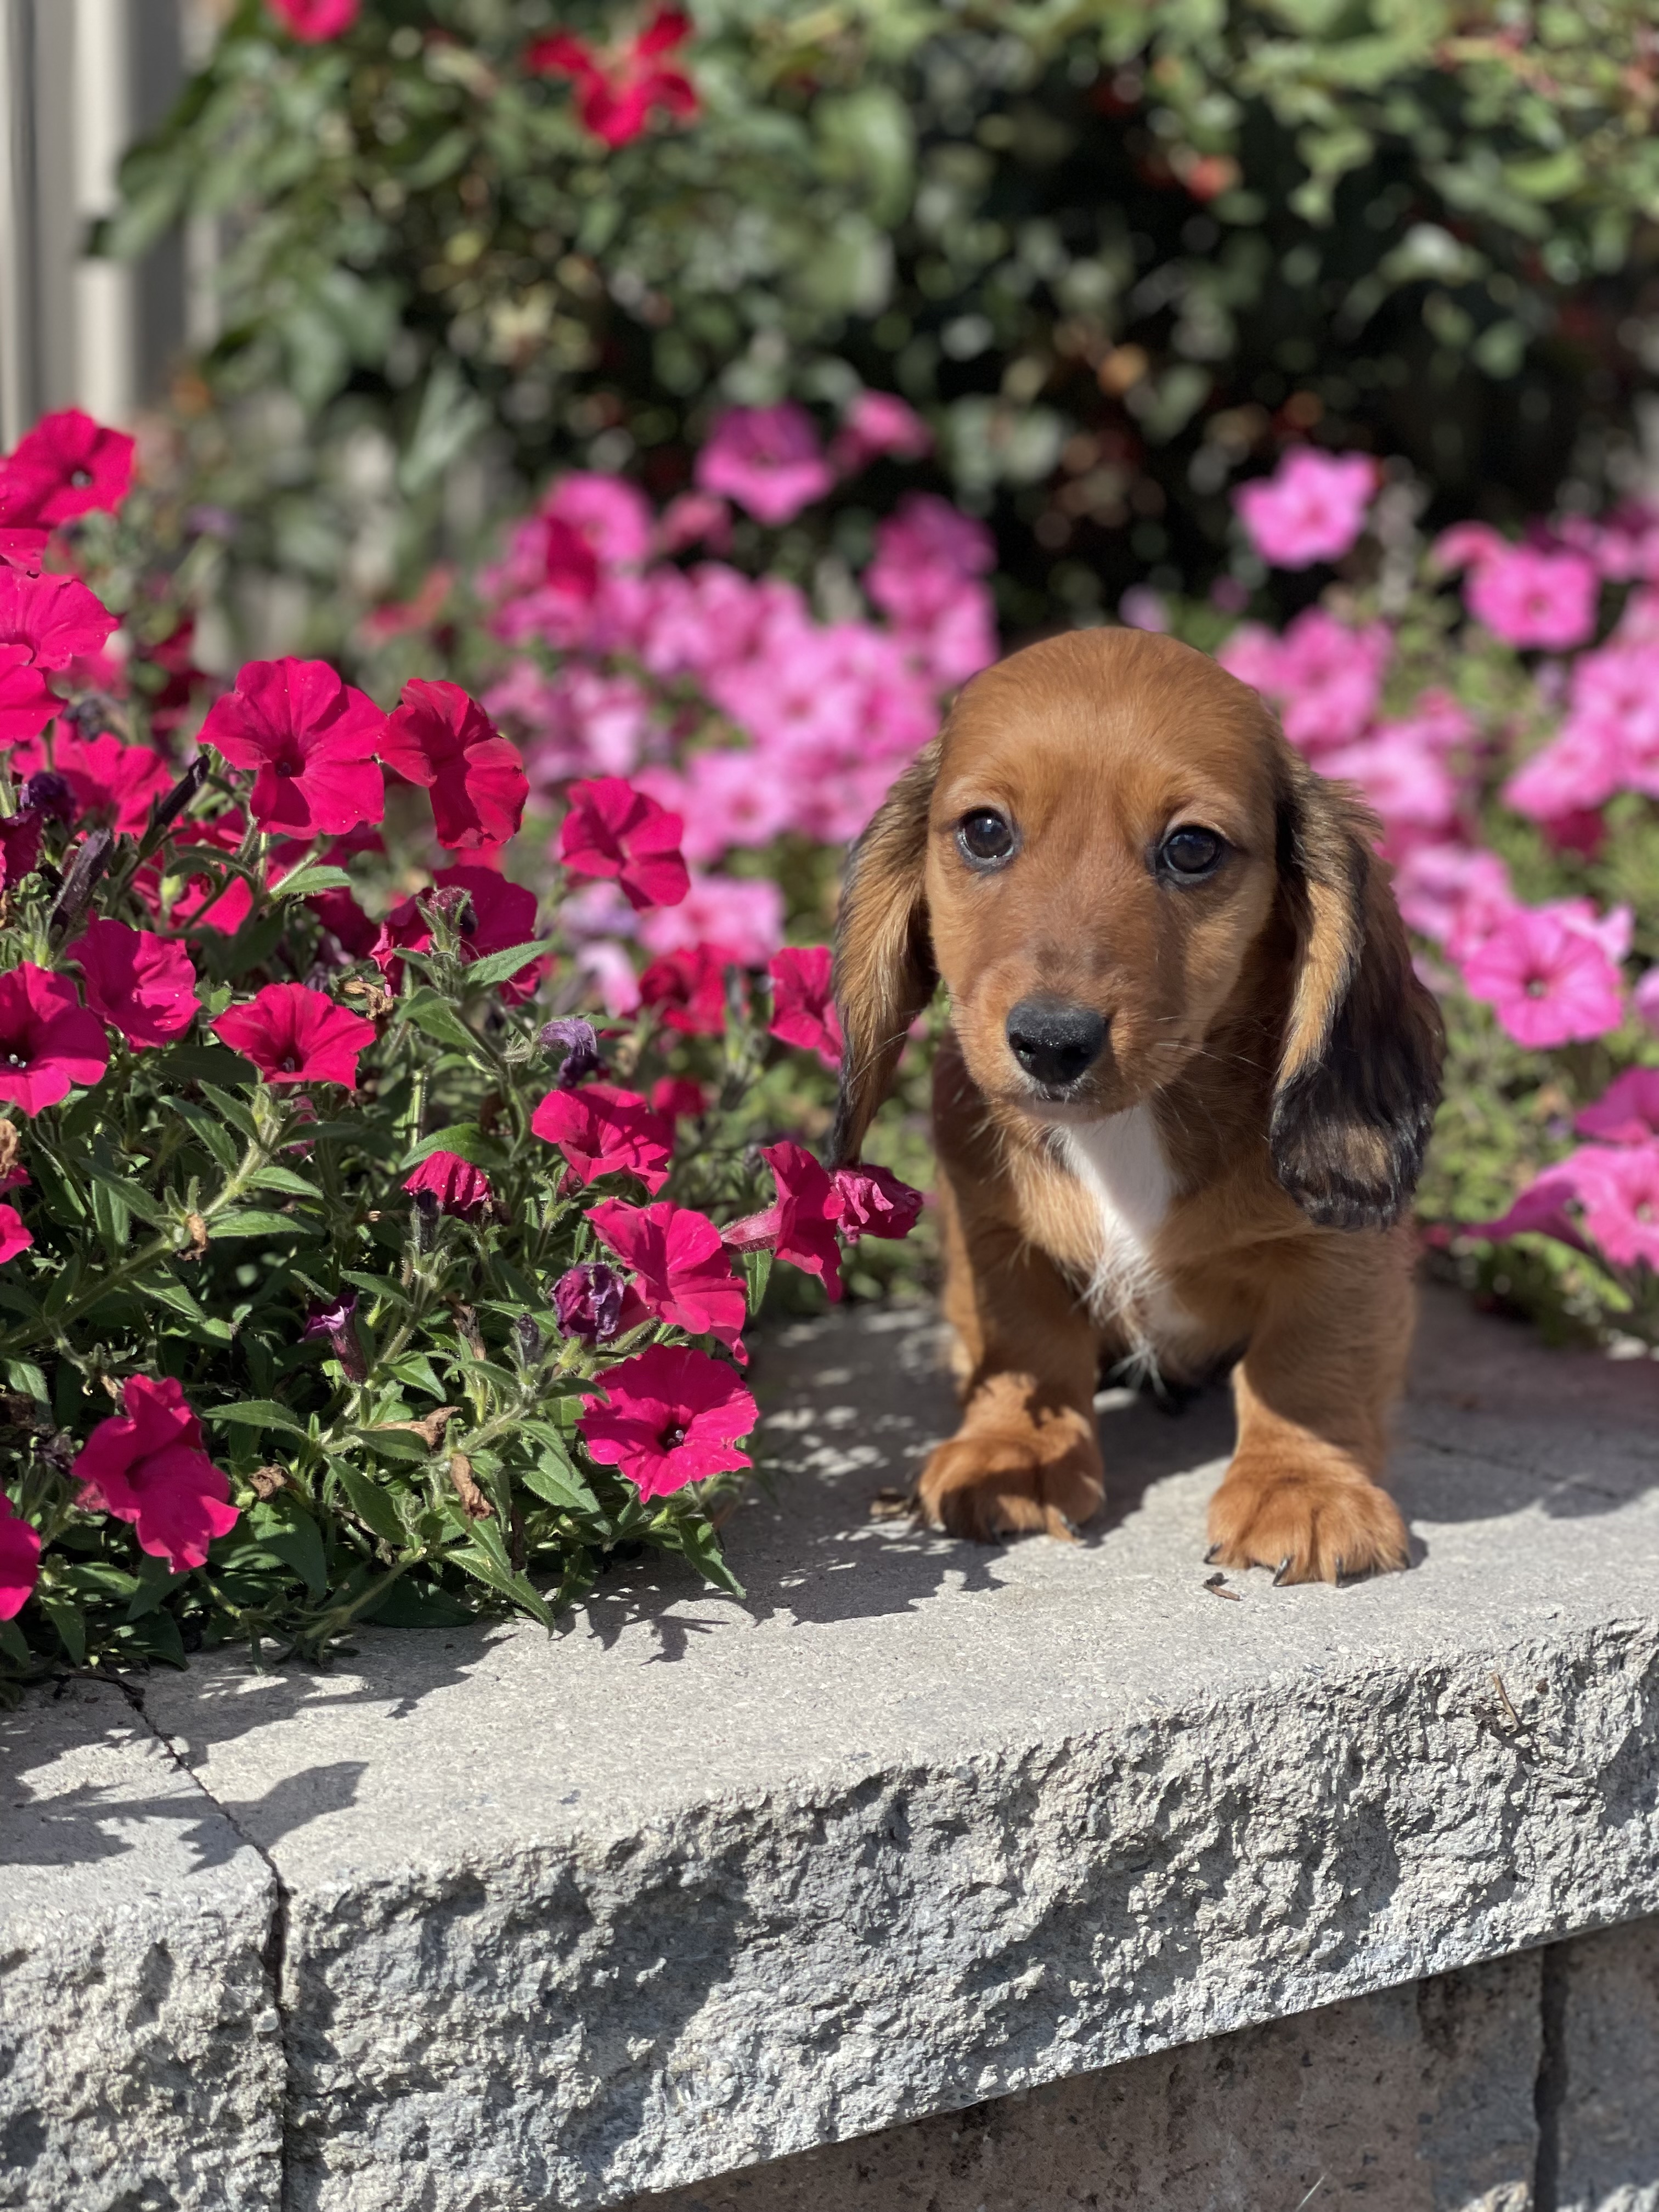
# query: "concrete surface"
1601, 2100
701, 1884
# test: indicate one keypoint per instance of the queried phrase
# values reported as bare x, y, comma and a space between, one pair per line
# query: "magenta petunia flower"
1627, 1112
149, 1467
880, 422
494, 914
56, 617
110, 783
440, 738
803, 1004
602, 1130
66, 465
142, 984
617, 91
455, 1183
688, 987
312, 21
1541, 1209
1312, 508
312, 740
20, 1560
681, 1271
614, 830
872, 1202
672, 1415
1551, 973
1527, 597
48, 1041
27, 701
769, 459
801, 1227
15, 1235
292, 1034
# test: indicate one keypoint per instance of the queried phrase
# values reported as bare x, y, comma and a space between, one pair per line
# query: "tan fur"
1266, 1023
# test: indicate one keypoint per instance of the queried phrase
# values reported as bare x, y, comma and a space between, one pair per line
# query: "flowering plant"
348, 1270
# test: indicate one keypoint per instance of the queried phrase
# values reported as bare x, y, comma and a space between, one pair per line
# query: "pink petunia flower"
614, 830
67, 465
926, 551
312, 21
744, 915
1551, 973
767, 459
681, 1271
14, 1234
292, 1034
800, 1227
56, 617
1529, 598
142, 984
880, 422
1645, 998
672, 1415
610, 515
457, 1187
1541, 1210
493, 913
1581, 768
439, 737
803, 1006
1312, 508
48, 1041
111, 783
312, 740
20, 1560
1618, 1189
617, 92
602, 1130
150, 1467
1324, 675
871, 1201
1627, 1112
1453, 895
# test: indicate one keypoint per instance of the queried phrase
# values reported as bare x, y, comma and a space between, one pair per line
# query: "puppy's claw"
1337, 1563
1282, 1570
1212, 1555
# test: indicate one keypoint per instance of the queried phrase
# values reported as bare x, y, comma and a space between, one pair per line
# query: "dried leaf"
474, 1503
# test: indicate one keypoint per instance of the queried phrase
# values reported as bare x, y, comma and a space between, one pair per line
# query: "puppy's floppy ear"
1359, 1076
884, 971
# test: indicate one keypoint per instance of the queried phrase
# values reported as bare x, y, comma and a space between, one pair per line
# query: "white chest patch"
1119, 1163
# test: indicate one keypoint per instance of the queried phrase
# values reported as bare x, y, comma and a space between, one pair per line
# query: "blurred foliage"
1118, 251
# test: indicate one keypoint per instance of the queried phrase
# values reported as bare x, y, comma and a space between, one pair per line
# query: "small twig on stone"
1215, 1585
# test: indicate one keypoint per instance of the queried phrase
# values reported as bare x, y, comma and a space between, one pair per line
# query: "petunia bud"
86, 870
170, 808
579, 1041
528, 1339
338, 1324
588, 1301
47, 792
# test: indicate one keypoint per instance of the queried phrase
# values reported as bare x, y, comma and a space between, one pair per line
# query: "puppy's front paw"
987, 1482
1307, 1524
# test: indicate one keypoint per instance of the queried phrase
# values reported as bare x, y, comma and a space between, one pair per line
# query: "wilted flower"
579, 1041
588, 1301
338, 1323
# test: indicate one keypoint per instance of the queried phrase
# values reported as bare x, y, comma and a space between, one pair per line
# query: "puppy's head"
1097, 856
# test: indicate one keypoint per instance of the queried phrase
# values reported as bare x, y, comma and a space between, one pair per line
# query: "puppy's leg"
1314, 1392
1026, 1455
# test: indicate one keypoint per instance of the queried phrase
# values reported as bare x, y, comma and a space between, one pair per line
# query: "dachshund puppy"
1183, 1104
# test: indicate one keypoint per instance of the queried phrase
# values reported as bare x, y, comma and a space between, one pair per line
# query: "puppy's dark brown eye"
986, 837
1190, 852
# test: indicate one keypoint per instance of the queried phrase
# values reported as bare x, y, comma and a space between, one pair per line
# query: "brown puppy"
1184, 1103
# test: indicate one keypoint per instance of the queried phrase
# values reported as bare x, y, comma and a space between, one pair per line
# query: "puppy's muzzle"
1056, 1043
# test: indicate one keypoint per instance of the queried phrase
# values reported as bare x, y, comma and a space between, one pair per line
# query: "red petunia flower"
803, 1009
312, 740
801, 1227
603, 1131
20, 836
56, 617
689, 986
292, 1034
439, 737
613, 829
682, 1271
14, 1238
20, 1560
494, 914
48, 1041
311, 22
873, 1202
66, 465
150, 1467
142, 984
458, 1185
617, 91
111, 783
674, 1415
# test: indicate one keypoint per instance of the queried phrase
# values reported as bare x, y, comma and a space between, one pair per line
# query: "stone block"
140, 2063
1600, 2086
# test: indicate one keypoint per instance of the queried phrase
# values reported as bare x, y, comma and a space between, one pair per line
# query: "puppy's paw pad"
1306, 1527
987, 1486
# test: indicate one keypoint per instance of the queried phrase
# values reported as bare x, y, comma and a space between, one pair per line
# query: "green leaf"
153, 1582
465, 1138
369, 1502
206, 1065
485, 1559
131, 1197
13, 1644
274, 1177
235, 1110
210, 1129
23, 1375
500, 966
440, 1019
258, 1413
396, 1443
418, 1605
250, 1221
306, 882
287, 1529
71, 1628
756, 1274
554, 1479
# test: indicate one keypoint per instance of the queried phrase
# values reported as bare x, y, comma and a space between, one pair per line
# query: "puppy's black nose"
1054, 1042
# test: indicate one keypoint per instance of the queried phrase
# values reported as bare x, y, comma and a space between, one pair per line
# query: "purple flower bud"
579, 1041
47, 792
338, 1323
588, 1301
529, 1339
